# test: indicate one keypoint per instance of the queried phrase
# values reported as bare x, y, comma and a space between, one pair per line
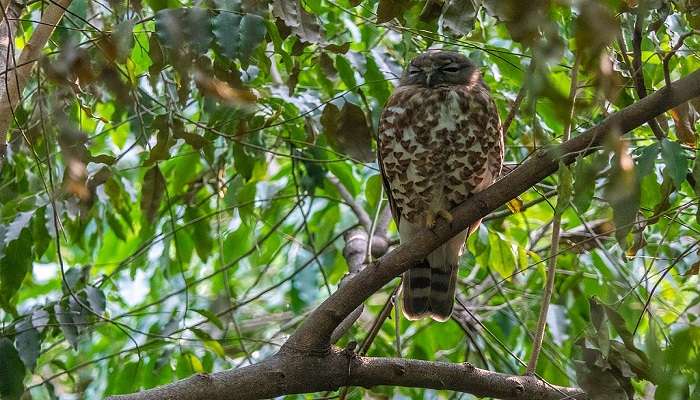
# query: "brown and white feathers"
439, 142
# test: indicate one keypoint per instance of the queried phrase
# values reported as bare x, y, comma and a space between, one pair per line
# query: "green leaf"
216, 347
376, 81
20, 222
501, 255
373, 191
161, 151
201, 236
647, 160
96, 298
157, 5
238, 36
74, 280
152, 192
15, 266
584, 184
40, 235
597, 313
40, 319
346, 71
184, 29
343, 171
338, 48
115, 225
620, 326
676, 161
696, 173
3, 230
242, 161
28, 343
67, 325
598, 318
237, 243
11, 371
622, 191
459, 15
195, 363
210, 316
252, 33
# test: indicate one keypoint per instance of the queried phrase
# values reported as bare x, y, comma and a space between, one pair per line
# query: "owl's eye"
413, 71
450, 69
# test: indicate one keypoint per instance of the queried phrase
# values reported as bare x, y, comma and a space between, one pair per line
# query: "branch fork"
308, 362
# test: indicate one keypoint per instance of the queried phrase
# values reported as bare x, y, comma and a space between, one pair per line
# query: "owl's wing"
384, 147
395, 211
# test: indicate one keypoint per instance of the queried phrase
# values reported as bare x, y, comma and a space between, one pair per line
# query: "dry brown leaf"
684, 119
223, 91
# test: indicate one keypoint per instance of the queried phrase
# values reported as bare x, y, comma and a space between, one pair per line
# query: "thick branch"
307, 362
314, 334
292, 373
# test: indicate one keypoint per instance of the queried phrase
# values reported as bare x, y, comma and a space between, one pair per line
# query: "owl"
439, 142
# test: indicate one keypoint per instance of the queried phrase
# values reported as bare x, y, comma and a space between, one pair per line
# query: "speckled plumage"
438, 144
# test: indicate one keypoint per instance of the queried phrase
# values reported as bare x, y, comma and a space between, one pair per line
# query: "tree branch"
17, 77
307, 362
292, 373
362, 215
674, 49
313, 335
638, 73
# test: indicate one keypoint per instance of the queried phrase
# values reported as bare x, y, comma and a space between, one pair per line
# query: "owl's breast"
432, 144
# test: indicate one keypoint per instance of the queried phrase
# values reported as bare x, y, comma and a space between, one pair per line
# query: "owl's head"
439, 68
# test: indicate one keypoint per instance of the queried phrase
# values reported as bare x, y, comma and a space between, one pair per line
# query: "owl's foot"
431, 217
445, 215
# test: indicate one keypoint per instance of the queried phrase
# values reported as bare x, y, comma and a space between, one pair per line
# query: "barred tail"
416, 291
442, 291
429, 292
429, 286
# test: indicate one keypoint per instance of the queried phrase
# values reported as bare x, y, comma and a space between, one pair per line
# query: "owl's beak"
429, 71
428, 75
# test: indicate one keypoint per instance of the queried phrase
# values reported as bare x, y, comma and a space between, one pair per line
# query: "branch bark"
289, 373
308, 363
18, 73
638, 73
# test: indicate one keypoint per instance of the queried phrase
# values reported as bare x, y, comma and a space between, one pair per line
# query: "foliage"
166, 204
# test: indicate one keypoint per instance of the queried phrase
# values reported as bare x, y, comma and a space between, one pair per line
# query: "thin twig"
638, 73
362, 215
516, 103
667, 57
556, 231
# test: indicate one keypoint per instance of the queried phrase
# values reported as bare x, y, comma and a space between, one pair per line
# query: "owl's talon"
429, 219
445, 215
